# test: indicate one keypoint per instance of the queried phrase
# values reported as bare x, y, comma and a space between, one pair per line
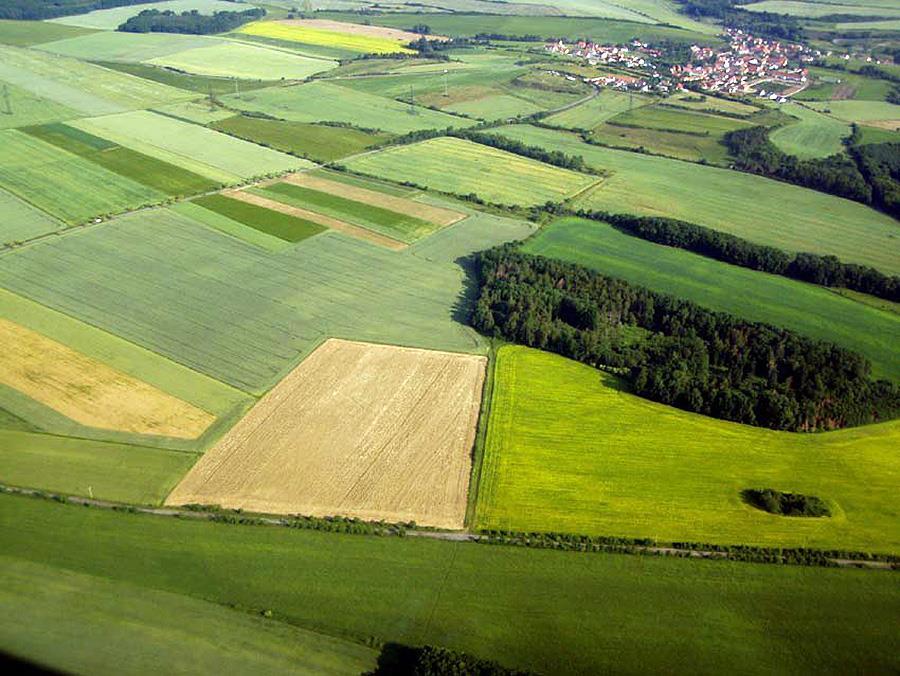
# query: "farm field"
594, 112
282, 226
105, 470
415, 590
813, 10
186, 81
463, 167
231, 227
110, 19
372, 431
689, 147
157, 622
20, 33
671, 119
570, 450
829, 84
712, 104
64, 185
88, 89
815, 135
317, 142
127, 47
90, 392
348, 36
149, 278
236, 59
494, 107
325, 102
190, 146
21, 221
875, 113
744, 205
806, 308
21, 108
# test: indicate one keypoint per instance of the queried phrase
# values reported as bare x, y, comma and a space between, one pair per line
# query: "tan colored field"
371, 431
360, 29
90, 392
321, 219
401, 205
891, 125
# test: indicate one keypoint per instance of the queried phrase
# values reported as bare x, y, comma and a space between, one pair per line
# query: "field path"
321, 219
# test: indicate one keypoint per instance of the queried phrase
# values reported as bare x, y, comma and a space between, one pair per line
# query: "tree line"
807, 267
676, 352
190, 22
763, 24
42, 9
401, 660
865, 174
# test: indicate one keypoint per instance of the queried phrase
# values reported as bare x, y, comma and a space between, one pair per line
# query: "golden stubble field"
357, 429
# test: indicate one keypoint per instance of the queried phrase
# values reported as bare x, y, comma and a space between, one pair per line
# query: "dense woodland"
676, 352
807, 267
191, 22
867, 174
400, 660
45, 9
764, 24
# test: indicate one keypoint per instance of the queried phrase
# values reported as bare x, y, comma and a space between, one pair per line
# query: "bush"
785, 504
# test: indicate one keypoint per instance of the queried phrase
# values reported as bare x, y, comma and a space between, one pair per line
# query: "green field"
813, 9
756, 208
64, 185
332, 39
237, 59
21, 221
494, 107
831, 84
126, 47
154, 173
689, 147
242, 315
708, 103
399, 226
142, 630
316, 142
193, 83
806, 308
462, 167
26, 33
672, 119
612, 613
272, 223
814, 135
324, 102
109, 19
859, 111
190, 146
569, 450
230, 227
20, 108
88, 89
105, 470
594, 112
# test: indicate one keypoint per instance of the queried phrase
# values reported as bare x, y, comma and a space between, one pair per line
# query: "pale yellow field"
90, 392
402, 205
357, 429
333, 34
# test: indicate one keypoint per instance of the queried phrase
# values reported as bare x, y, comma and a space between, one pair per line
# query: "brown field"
357, 429
359, 29
891, 125
329, 222
90, 392
401, 205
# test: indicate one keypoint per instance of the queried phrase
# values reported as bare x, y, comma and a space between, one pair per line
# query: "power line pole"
446, 90
6, 100
412, 101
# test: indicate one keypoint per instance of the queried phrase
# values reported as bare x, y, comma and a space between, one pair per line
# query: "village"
752, 65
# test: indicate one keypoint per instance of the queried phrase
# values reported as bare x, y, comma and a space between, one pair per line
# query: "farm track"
447, 536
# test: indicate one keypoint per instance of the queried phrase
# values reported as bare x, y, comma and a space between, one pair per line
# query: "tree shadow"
461, 311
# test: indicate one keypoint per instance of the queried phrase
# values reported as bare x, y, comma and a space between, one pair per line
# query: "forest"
764, 24
676, 352
192, 22
42, 9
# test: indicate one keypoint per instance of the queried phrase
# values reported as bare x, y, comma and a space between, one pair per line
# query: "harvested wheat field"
427, 212
360, 29
90, 392
357, 429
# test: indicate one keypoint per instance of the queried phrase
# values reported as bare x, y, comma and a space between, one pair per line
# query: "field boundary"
487, 397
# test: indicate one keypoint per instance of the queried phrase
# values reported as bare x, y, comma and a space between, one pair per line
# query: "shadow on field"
465, 302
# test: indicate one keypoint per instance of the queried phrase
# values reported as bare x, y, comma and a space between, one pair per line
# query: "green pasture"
143, 630
190, 146
689, 147
607, 104
126, 47
110, 19
241, 60
875, 135
324, 102
20, 107
320, 143
707, 103
758, 209
197, 112
230, 310
859, 111
64, 185
664, 118
815, 10
404, 227
157, 174
22, 221
811, 310
494, 107
478, 232
194, 83
231, 227
86, 88
833, 84
814, 135
569, 450
104, 470
553, 612
273, 223
19, 33
368, 182
463, 167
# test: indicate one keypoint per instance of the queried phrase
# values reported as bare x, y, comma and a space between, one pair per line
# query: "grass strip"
282, 226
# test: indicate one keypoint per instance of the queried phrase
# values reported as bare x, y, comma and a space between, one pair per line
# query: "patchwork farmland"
577, 351
377, 432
